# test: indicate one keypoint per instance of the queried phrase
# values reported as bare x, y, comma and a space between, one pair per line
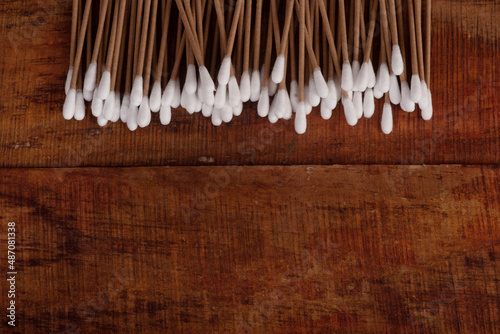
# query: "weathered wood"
353, 249
465, 128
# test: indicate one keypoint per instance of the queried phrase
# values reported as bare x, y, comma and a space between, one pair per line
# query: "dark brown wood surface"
466, 128
354, 249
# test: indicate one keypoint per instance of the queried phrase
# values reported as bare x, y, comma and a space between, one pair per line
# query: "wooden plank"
465, 129
344, 249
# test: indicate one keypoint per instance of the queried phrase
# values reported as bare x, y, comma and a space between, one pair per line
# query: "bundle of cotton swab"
206, 56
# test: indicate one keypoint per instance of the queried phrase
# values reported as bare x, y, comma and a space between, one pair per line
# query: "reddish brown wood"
354, 249
465, 129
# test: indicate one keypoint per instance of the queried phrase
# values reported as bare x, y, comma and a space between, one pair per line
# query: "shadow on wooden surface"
355, 249
465, 129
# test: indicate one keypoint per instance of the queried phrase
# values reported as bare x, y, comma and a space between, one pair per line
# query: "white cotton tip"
383, 78
206, 110
300, 119
424, 100
208, 96
97, 105
355, 72
137, 89
377, 93
224, 71
349, 111
90, 77
168, 94
144, 115
397, 63
155, 97
102, 121
68, 80
263, 105
309, 107
198, 105
124, 108
220, 96
336, 80
237, 110
132, 117
416, 88
280, 103
191, 83
104, 86
234, 92
176, 100
372, 77
245, 87
394, 91
288, 107
187, 101
347, 79
227, 112
428, 110
255, 86
118, 105
368, 103
88, 95
321, 85
387, 118
362, 78
109, 106
407, 103
294, 94
331, 98
80, 106
326, 112
216, 116
273, 87
165, 114
69, 105
278, 69
312, 94
271, 117
206, 79
357, 101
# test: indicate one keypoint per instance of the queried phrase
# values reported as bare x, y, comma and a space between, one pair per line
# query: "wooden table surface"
248, 227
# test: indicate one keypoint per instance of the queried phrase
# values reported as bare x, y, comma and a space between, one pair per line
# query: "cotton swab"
74, 28
416, 87
428, 110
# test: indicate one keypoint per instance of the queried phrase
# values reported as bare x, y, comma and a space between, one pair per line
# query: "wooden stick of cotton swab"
155, 97
420, 50
74, 28
347, 78
397, 58
300, 114
427, 111
245, 83
130, 58
279, 65
70, 102
416, 86
255, 83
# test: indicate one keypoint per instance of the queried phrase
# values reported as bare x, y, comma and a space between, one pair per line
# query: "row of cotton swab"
324, 52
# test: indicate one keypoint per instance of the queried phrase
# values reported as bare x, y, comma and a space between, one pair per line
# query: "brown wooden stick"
401, 39
330, 30
143, 38
234, 26
74, 31
302, 36
413, 39
137, 39
362, 26
276, 28
81, 42
385, 27
420, 43
130, 49
151, 42
256, 46
248, 34
193, 39
371, 31
220, 22
178, 56
329, 36
269, 49
119, 34
293, 60
286, 28
239, 43
112, 38
393, 22
428, 40
357, 27
88, 43
206, 29
343, 32
163, 44
100, 29
200, 7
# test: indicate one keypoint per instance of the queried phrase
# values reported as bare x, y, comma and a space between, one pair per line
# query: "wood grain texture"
353, 249
465, 128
